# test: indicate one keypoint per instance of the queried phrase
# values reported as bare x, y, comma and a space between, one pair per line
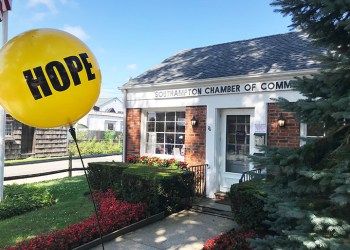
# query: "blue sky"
129, 37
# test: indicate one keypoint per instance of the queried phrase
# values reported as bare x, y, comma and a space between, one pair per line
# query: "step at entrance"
211, 206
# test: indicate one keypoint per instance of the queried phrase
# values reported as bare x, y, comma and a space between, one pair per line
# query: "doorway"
236, 145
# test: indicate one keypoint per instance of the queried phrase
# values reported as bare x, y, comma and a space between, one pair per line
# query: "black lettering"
34, 84
88, 66
287, 85
223, 89
74, 65
206, 90
55, 81
263, 86
237, 88
279, 85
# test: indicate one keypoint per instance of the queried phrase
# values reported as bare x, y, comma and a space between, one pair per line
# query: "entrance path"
186, 230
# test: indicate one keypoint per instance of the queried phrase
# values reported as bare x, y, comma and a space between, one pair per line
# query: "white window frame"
144, 132
110, 122
303, 134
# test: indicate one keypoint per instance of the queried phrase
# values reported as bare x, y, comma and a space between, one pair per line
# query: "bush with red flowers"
157, 162
230, 240
113, 214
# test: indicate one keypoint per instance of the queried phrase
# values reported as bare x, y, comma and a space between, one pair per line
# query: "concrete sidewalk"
186, 230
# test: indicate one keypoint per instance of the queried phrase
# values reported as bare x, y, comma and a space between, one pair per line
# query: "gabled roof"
102, 101
270, 54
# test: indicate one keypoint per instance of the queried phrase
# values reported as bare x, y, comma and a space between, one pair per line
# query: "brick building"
214, 105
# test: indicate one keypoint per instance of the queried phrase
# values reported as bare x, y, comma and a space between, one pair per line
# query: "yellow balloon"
48, 78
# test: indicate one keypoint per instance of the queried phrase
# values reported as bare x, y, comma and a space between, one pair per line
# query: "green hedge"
105, 175
19, 199
162, 189
247, 204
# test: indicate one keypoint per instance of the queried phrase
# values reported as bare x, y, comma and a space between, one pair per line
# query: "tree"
309, 199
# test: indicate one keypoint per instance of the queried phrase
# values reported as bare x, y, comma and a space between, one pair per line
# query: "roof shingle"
270, 54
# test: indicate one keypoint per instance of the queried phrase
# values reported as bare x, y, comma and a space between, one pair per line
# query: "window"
110, 126
9, 129
165, 133
310, 131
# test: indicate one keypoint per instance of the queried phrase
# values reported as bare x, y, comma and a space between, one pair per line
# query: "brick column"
195, 136
133, 132
282, 137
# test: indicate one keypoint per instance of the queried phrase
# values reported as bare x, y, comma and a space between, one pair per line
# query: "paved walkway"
186, 230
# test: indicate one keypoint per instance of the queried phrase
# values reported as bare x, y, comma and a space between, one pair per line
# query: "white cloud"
77, 31
132, 66
50, 4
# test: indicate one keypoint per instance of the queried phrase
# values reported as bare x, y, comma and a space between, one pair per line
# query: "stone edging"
125, 230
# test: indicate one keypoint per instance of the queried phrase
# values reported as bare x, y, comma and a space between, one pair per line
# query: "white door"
236, 145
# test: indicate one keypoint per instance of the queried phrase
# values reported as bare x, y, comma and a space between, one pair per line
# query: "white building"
107, 114
215, 105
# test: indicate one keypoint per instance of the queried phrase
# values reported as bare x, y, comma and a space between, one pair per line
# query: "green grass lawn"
72, 206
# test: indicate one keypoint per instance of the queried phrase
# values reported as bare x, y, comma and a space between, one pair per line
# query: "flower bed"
157, 162
113, 214
230, 240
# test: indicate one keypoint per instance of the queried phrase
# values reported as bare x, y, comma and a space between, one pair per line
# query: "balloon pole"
73, 134
3, 118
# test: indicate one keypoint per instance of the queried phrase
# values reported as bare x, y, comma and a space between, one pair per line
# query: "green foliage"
247, 204
309, 200
162, 189
92, 147
105, 175
72, 206
109, 135
19, 199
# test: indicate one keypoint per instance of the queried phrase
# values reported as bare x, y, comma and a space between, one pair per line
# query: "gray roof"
270, 54
102, 101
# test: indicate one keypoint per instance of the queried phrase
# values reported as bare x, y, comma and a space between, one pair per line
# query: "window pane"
160, 138
169, 138
159, 126
151, 116
150, 148
170, 127
160, 116
180, 125
151, 126
180, 138
170, 116
180, 115
316, 129
160, 149
169, 149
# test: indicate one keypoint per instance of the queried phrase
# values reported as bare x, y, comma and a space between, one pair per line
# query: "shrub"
105, 175
109, 135
230, 240
92, 147
247, 204
161, 188
19, 199
113, 214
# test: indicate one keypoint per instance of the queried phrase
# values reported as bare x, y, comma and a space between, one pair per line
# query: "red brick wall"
283, 137
195, 136
133, 132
